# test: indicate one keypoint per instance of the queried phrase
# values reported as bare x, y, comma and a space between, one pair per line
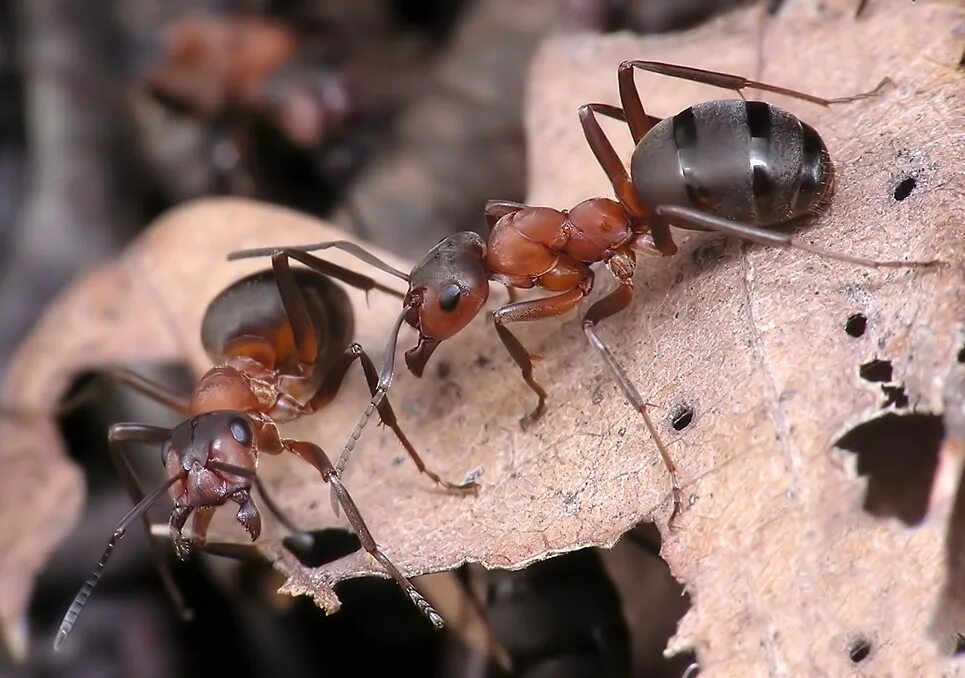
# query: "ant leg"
351, 278
296, 308
695, 220
328, 268
640, 214
737, 82
329, 389
497, 209
316, 456
610, 305
151, 435
534, 309
618, 113
248, 552
117, 375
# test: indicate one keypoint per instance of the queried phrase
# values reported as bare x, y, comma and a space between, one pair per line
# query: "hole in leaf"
894, 395
904, 189
961, 355
898, 453
317, 547
859, 650
856, 325
876, 370
959, 645
682, 418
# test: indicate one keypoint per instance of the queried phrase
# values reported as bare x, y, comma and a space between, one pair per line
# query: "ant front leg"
610, 305
316, 456
330, 388
534, 309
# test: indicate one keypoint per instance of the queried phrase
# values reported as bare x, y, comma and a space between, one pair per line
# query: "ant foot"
678, 507
183, 549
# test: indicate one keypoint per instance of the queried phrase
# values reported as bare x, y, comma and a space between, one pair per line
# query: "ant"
278, 340
732, 166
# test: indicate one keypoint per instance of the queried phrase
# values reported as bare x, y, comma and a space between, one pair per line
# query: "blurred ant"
278, 340
736, 167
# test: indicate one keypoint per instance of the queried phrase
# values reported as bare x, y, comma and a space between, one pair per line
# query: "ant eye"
240, 431
449, 297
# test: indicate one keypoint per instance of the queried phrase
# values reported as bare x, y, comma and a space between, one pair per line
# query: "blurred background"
394, 119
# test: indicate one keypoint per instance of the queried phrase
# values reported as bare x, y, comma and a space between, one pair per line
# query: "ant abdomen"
251, 310
747, 161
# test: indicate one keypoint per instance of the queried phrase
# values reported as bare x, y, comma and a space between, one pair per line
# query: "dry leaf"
784, 567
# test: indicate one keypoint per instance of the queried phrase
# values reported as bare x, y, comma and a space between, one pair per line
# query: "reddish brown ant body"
280, 343
736, 167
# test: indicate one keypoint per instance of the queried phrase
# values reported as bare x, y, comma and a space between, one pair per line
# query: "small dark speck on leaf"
904, 189
682, 418
859, 650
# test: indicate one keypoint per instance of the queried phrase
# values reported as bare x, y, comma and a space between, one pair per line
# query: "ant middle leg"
120, 376
329, 390
316, 456
534, 309
610, 305
695, 220
722, 80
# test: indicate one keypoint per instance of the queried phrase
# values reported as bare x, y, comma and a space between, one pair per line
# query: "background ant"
280, 343
736, 167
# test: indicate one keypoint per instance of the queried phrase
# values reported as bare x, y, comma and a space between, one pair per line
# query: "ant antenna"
85, 591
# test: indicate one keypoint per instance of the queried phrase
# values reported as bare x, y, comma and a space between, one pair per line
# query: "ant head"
213, 455
446, 290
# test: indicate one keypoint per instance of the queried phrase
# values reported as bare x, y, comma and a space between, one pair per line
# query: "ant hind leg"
732, 82
609, 305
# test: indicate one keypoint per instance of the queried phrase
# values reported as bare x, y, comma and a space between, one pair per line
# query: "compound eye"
240, 431
449, 297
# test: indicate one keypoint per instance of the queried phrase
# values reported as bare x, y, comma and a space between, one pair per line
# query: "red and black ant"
280, 343
736, 167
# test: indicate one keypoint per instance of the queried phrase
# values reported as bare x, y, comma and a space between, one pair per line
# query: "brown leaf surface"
783, 565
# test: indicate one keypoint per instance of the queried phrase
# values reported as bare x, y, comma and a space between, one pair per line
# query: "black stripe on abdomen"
762, 184
685, 138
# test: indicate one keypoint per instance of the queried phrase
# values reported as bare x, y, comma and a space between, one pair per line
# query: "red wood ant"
280, 343
737, 167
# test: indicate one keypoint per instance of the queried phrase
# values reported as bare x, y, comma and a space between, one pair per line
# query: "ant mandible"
278, 340
732, 166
